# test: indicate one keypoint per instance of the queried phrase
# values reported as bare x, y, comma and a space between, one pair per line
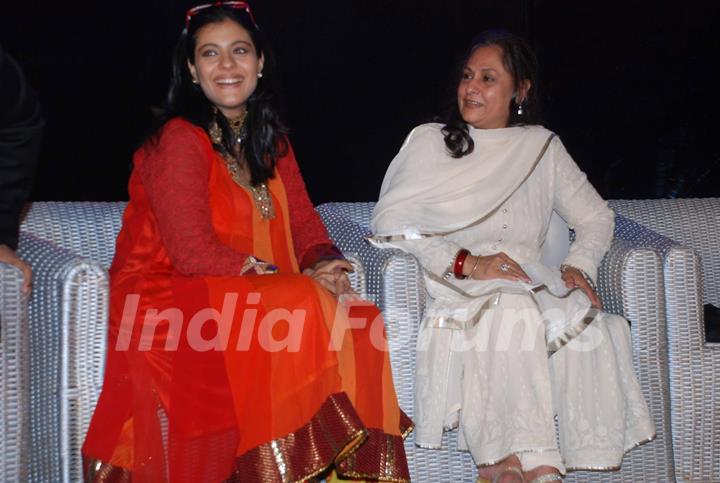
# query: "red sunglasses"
236, 5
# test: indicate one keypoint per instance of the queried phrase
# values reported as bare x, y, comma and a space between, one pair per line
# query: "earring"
195, 81
259, 75
520, 109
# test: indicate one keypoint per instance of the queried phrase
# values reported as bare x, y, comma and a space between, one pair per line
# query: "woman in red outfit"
230, 356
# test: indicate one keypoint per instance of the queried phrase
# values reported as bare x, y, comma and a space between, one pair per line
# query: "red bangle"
459, 262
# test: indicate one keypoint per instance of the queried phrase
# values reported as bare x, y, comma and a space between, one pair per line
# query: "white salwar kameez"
483, 355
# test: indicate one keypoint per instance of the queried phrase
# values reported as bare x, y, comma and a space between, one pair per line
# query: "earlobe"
193, 72
523, 91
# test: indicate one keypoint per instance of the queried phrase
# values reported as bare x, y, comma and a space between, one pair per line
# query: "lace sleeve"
586, 212
175, 175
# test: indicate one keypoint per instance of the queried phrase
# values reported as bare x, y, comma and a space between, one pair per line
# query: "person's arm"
21, 126
436, 255
175, 175
312, 244
577, 201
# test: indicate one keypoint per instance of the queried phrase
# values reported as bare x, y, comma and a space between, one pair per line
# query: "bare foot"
500, 471
541, 471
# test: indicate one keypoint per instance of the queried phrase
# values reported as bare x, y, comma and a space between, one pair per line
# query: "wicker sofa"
52, 347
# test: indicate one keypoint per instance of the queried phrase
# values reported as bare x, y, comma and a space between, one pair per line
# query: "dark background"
631, 87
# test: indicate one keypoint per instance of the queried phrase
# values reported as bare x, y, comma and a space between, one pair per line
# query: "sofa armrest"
14, 377
631, 282
693, 370
631, 272
631, 275
68, 323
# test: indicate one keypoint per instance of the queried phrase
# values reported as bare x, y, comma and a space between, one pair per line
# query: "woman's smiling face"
226, 65
486, 89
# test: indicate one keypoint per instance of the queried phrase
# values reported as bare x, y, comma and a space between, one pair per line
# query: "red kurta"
212, 376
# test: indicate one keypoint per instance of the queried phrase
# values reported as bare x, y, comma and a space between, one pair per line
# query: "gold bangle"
477, 262
582, 272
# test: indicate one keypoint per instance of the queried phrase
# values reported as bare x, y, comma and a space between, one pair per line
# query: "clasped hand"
332, 274
500, 265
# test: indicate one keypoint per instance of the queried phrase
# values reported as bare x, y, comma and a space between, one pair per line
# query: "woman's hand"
574, 278
494, 266
257, 267
332, 274
8, 255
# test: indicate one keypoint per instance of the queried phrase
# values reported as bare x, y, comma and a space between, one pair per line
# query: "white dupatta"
428, 193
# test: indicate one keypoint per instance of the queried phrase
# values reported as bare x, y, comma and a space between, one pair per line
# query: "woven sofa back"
90, 228
87, 228
694, 222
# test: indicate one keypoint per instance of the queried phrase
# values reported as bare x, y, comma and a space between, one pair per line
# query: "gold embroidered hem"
381, 457
95, 471
406, 425
334, 436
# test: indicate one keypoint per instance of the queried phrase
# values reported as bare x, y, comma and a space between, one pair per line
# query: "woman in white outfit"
508, 345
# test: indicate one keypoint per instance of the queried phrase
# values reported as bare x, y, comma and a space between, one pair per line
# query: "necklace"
236, 125
260, 193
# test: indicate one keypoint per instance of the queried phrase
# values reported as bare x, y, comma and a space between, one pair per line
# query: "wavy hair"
265, 135
520, 61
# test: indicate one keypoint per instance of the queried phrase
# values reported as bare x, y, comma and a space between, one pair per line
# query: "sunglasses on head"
234, 5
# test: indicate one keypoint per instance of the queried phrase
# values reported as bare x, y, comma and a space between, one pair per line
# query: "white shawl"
425, 190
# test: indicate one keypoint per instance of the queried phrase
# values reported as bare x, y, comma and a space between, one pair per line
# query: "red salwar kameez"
280, 383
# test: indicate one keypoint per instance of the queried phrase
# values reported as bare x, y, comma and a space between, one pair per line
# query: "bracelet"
477, 264
257, 266
587, 278
459, 262
250, 263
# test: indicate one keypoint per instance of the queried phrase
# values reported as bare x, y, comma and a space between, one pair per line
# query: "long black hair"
264, 134
520, 61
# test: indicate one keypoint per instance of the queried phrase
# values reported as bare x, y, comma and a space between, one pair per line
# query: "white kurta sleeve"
577, 201
436, 254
